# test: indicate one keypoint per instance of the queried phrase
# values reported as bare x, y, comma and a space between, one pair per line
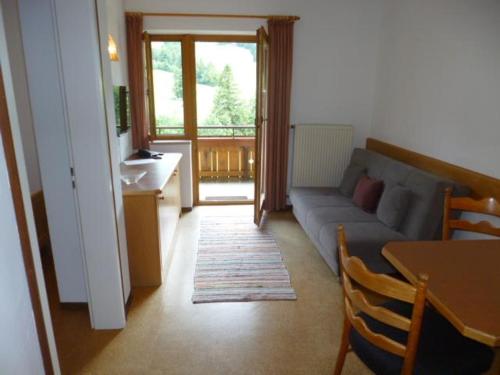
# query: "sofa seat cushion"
442, 350
317, 217
303, 199
365, 240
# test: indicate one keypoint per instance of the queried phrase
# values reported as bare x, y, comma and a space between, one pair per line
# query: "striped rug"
238, 262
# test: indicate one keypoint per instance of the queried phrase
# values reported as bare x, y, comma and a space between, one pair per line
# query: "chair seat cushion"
442, 349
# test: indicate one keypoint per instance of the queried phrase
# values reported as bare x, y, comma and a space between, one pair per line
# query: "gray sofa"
321, 210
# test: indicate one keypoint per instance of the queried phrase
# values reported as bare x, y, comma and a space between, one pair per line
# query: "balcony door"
204, 88
261, 123
225, 107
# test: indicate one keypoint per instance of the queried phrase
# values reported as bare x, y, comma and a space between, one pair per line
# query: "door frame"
189, 95
24, 231
10, 137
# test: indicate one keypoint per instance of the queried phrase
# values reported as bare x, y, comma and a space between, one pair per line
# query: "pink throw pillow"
367, 193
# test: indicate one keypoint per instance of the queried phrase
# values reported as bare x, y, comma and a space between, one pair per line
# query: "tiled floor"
226, 190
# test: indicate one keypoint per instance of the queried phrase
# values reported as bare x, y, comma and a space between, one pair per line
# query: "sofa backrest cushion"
425, 208
350, 179
393, 205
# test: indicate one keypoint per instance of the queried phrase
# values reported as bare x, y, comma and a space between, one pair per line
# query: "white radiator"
320, 154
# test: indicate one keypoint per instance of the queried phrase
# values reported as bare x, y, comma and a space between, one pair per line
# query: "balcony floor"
236, 190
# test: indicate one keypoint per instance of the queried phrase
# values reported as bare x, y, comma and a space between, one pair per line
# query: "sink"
132, 177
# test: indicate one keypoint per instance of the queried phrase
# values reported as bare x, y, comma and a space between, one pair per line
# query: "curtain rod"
211, 15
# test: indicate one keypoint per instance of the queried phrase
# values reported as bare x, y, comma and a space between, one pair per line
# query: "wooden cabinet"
169, 210
152, 209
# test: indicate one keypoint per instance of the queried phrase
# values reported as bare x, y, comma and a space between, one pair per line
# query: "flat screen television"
122, 108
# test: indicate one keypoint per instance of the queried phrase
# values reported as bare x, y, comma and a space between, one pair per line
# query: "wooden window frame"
189, 91
188, 77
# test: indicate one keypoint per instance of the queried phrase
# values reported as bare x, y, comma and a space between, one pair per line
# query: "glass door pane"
168, 87
225, 101
225, 86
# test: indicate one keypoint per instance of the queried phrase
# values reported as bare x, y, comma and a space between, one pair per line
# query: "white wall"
116, 27
202, 25
438, 91
113, 142
21, 91
125, 144
335, 52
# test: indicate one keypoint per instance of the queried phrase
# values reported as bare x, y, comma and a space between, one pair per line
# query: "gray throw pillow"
352, 174
393, 206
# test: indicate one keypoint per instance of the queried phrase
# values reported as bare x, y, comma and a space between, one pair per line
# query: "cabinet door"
142, 224
169, 211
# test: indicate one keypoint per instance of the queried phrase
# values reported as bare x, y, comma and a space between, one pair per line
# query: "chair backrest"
355, 272
486, 206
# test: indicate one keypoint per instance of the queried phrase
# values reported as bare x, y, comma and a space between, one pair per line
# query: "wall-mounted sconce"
112, 49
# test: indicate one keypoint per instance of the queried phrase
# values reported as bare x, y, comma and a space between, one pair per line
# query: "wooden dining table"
464, 281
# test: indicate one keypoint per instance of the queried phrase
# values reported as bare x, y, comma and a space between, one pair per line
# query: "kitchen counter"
158, 172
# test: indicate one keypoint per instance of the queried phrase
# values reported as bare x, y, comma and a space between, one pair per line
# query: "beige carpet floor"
168, 334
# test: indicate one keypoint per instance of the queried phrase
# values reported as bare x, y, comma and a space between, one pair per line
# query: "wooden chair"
486, 206
400, 336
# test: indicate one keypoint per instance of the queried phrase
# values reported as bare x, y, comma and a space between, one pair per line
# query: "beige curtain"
135, 59
280, 83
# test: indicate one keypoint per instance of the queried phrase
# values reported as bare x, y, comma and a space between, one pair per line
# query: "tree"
178, 89
228, 108
250, 112
206, 74
167, 57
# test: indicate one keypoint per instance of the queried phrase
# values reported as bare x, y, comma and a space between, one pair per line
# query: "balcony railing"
225, 158
211, 131
226, 131
224, 152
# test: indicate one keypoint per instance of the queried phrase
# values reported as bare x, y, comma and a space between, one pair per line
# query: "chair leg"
344, 347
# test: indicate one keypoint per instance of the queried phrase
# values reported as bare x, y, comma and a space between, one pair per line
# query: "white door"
65, 79
53, 146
